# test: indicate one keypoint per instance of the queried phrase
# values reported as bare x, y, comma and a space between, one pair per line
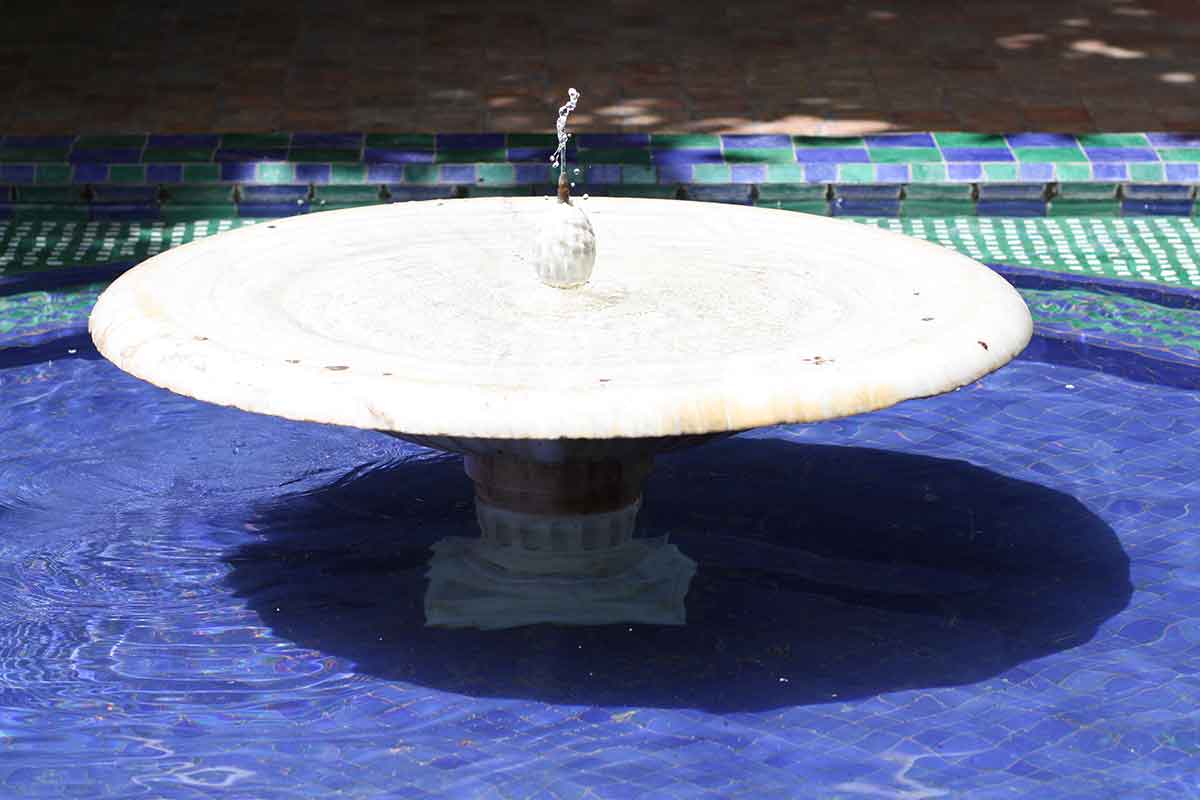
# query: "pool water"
992, 593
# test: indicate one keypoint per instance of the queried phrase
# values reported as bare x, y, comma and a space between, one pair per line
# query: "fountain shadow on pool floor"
826, 574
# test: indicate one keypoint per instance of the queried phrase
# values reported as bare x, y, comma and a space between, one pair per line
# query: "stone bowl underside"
425, 319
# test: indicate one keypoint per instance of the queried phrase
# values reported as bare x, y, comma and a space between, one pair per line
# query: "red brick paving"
816, 67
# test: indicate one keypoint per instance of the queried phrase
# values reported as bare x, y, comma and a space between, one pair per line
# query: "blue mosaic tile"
687, 156
898, 173
832, 155
601, 173
755, 140
540, 155
183, 141
313, 173
540, 173
90, 173
820, 173
385, 173
250, 154
106, 155
1182, 172
375, 155
674, 173
1011, 208
748, 173
164, 173
17, 173
1174, 139
456, 173
1164, 208
1122, 154
339, 141
239, 172
1035, 172
964, 172
612, 140
976, 154
1110, 172
1040, 140
900, 140
469, 141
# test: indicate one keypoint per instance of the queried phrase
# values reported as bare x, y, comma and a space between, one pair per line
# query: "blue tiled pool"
993, 593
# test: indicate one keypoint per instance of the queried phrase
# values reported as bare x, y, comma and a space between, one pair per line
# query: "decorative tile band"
502, 159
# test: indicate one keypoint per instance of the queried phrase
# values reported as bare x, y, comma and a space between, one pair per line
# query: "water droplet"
585, 197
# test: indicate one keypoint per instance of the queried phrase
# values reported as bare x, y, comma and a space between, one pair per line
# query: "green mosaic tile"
492, 154
252, 141
785, 173
186, 212
1180, 154
420, 173
348, 173
970, 140
49, 212
759, 155
927, 173
1073, 172
53, 173
681, 141
201, 173
820, 142
496, 174
189, 194
614, 156
638, 174
498, 191
1145, 173
856, 173
937, 208
25, 155
322, 155
1083, 208
402, 141
1113, 140
792, 192
345, 195
127, 173
275, 172
50, 194
1161, 249
175, 155
119, 141
711, 173
939, 191
1044, 154
1000, 172
1087, 191
532, 140
904, 155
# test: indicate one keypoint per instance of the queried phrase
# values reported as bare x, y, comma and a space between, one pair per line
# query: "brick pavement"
815, 67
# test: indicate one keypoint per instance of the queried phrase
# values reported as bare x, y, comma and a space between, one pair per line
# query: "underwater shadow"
825, 574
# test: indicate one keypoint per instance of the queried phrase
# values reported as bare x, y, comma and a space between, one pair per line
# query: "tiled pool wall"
187, 177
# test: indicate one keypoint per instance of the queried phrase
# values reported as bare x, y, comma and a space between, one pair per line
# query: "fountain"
655, 325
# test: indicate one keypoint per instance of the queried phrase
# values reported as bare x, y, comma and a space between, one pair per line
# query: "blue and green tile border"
274, 174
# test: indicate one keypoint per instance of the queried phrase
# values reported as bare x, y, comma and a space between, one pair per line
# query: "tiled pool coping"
945, 173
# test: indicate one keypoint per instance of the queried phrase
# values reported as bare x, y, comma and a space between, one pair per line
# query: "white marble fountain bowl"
427, 320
